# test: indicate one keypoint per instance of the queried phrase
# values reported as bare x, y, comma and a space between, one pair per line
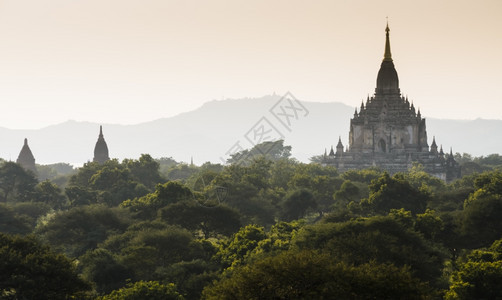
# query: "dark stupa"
26, 158
101, 149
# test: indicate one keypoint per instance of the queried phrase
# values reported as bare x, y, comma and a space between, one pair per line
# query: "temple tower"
389, 133
26, 158
101, 149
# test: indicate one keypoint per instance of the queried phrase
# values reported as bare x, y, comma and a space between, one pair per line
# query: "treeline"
263, 227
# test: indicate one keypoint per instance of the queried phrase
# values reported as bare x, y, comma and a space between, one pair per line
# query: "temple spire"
387, 55
26, 158
101, 148
387, 79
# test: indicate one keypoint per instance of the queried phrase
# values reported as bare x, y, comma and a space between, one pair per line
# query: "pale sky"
131, 61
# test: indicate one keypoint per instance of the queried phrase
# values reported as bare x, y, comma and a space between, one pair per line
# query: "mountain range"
218, 128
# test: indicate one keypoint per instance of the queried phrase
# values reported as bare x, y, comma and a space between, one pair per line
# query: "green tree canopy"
395, 192
145, 170
479, 275
103, 268
16, 184
148, 249
168, 193
32, 271
211, 221
309, 275
384, 239
49, 193
235, 250
82, 228
270, 150
109, 183
141, 290
297, 203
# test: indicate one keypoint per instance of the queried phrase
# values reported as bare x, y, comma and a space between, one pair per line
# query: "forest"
262, 226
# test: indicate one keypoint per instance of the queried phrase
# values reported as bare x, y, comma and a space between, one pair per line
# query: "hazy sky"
130, 61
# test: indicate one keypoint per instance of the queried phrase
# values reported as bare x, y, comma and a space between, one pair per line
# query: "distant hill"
210, 131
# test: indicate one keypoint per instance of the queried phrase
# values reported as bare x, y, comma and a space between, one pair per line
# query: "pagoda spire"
26, 158
331, 152
387, 55
101, 148
387, 79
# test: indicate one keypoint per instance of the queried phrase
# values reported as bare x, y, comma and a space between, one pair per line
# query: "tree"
83, 176
429, 224
477, 280
115, 184
365, 176
145, 170
13, 223
102, 267
49, 193
148, 253
79, 196
16, 184
181, 172
109, 183
418, 178
151, 290
297, 203
234, 251
479, 276
348, 192
281, 172
395, 192
309, 275
270, 150
190, 277
491, 161
481, 221
31, 212
33, 271
211, 221
383, 239
245, 189
481, 217
279, 238
57, 171
165, 194
82, 228
165, 163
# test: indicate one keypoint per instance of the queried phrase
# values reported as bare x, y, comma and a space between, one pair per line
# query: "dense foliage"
261, 227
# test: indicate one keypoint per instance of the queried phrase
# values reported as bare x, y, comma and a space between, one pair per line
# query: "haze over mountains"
209, 133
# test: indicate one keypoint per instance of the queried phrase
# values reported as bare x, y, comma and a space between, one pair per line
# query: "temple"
389, 133
26, 158
101, 149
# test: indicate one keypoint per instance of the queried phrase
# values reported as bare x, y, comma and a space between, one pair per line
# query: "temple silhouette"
388, 133
101, 149
26, 158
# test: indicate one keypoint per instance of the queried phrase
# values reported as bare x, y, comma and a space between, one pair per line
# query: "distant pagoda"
26, 158
101, 149
388, 133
